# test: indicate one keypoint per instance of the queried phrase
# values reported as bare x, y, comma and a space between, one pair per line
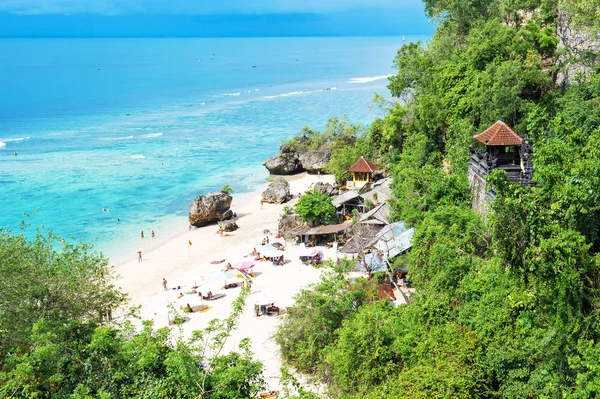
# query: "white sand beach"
185, 266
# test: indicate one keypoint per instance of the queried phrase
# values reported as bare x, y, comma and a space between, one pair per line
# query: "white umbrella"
272, 254
263, 300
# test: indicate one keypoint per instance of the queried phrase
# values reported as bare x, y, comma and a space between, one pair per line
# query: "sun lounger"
199, 308
214, 297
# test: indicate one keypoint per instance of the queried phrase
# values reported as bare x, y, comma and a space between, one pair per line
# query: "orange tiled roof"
498, 134
362, 165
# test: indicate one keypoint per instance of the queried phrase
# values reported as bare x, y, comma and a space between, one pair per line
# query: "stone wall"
480, 194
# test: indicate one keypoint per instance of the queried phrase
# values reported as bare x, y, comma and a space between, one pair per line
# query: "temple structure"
498, 147
362, 173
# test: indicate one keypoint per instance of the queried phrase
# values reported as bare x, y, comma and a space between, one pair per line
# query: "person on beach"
153, 235
139, 256
253, 252
180, 295
142, 235
164, 284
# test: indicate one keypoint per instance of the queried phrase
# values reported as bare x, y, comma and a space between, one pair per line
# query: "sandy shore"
185, 266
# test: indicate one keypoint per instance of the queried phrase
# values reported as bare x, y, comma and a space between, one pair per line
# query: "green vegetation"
57, 340
505, 306
315, 207
380, 142
226, 189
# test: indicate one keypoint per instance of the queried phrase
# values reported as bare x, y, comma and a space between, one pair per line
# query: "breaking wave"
368, 79
151, 135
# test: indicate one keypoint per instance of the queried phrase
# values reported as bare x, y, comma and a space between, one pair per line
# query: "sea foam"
117, 138
151, 135
15, 139
368, 79
2, 144
138, 156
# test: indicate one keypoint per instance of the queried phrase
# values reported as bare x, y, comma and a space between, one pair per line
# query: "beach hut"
362, 173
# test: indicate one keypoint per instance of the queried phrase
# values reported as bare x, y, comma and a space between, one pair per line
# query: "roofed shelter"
501, 143
362, 173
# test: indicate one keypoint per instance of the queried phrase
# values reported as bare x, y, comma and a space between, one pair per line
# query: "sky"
190, 18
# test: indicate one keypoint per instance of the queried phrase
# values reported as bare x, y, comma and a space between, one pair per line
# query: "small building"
498, 148
346, 202
362, 173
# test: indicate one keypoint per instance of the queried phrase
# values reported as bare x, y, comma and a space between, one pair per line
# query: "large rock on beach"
290, 222
277, 192
283, 164
228, 225
314, 161
326, 188
210, 208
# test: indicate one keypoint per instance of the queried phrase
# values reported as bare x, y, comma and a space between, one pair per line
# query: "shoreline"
185, 266
175, 231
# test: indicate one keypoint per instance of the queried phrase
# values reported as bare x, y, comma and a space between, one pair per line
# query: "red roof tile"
498, 134
362, 165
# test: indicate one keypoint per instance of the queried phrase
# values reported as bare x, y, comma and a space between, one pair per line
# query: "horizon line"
212, 36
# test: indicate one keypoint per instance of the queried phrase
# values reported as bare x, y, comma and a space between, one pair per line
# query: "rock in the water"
283, 164
210, 208
228, 225
326, 188
314, 161
278, 191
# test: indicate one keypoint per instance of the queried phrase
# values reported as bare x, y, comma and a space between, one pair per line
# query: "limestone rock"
289, 222
283, 164
314, 161
277, 192
228, 225
210, 208
326, 188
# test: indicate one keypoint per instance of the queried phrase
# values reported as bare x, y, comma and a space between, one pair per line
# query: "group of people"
153, 234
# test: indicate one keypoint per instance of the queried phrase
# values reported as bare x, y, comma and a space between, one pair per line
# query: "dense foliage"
506, 304
61, 337
315, 207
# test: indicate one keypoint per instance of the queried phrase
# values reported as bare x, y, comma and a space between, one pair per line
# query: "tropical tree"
315, 207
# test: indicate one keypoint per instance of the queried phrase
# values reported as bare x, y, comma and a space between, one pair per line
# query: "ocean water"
141, 126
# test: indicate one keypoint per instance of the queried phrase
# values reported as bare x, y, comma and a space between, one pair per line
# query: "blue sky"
156, 18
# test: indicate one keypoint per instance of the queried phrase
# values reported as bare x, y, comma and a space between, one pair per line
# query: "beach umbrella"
263, 300
228, 275
266, 248
274, 253
243, 265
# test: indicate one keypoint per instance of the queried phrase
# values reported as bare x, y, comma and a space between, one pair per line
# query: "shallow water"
141, 126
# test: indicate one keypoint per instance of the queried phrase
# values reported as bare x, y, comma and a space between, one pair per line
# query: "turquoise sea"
141, 126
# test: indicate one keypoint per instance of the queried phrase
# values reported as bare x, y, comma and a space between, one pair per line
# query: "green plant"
315, 207
226, 189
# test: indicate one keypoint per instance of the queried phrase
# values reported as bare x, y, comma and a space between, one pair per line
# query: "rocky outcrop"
210, 208
314, 161
284, 164
326, 188
295, 158
277, 192
228, 225
290, 222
